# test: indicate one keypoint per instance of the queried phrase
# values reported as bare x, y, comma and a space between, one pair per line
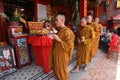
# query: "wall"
113, 10
105, 16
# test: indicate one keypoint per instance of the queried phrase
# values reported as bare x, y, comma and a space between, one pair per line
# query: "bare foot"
75, 71
85, 68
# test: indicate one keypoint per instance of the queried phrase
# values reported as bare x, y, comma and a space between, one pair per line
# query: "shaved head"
83, 22
97, 20
89, 18
61, 16
60, 20
83, 19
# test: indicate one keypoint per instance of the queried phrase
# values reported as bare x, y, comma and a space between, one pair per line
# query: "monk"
99, 33
62, 48
85, 36
96, 32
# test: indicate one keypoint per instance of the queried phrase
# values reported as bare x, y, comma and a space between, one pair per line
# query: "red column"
3, 28
83, 8
96, 11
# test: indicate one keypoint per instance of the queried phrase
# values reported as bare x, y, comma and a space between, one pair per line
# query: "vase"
14, 23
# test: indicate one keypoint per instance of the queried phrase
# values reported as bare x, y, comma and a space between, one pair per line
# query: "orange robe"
83, 49
95, 41
98, 36
61, 53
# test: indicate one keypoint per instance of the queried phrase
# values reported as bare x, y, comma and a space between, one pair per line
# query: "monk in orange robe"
96, 32
62, 48
99, 33
85, 36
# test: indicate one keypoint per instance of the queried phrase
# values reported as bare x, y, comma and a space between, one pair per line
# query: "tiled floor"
100, 68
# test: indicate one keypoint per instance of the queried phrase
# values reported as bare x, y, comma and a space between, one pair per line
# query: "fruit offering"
37, 28
17, 30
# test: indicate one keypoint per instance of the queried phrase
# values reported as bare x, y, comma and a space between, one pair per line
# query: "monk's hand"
78, 40
51, 36
56, 37
83, 39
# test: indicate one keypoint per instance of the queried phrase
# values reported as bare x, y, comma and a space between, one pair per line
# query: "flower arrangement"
44, 20
16, 16
15, 19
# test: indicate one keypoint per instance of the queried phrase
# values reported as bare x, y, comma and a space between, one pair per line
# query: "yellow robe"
61, 53
98, 36
100, 29
95, 41
83, 49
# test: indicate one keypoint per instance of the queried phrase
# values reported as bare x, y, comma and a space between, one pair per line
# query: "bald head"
61, 16
60, 20
83, 22
83, 19
97, 20
89, 18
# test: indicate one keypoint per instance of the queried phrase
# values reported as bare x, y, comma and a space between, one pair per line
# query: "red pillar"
3, 27
83, 8
96, 11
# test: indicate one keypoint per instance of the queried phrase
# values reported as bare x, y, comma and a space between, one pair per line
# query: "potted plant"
15, 19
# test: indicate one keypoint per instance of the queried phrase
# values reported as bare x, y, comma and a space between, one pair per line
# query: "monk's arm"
91, 38
67, 42
96, 29
100, 29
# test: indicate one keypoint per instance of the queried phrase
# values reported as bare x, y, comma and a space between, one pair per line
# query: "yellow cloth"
95, 41
98, 36
61, 53
100, 29
83, 49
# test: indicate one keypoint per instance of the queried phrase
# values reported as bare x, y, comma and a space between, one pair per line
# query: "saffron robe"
95, 41
83, 49
61, 53
98, 36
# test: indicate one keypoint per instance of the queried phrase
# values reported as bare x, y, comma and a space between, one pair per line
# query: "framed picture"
103, 17
7, 61
41, 11
15, 30
22, 51
103, 30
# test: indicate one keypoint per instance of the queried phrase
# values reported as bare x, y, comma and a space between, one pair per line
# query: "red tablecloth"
41, 48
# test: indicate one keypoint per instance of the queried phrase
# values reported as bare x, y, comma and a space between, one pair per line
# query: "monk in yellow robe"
62, 48
99, 32
85, 36
96, 32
